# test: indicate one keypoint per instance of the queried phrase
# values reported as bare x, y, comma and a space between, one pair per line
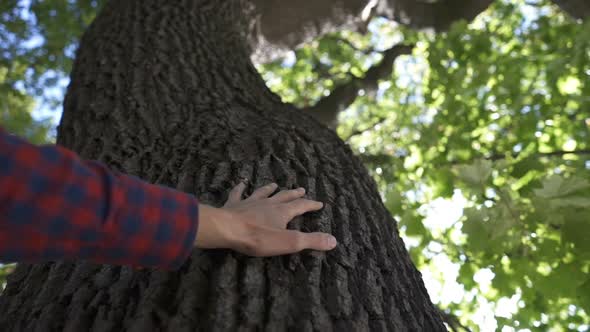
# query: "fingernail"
331, 242
301, 189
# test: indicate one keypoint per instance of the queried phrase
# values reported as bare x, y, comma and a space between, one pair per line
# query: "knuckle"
296, 194
298, 241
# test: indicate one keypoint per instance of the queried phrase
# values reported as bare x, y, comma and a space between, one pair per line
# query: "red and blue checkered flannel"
56, 206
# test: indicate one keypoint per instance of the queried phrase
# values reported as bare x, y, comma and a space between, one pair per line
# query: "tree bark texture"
279, 26
165, 90
438, 14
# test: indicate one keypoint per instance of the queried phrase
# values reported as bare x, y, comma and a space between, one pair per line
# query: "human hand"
256, 226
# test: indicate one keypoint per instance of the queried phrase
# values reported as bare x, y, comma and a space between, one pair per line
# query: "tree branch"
326, 110
278, 26
438, 15
578, 9
350, 44
386, 158
559, 153
540, 154
357, 132
380, 120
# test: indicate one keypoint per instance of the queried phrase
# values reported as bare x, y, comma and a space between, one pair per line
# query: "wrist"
214, 228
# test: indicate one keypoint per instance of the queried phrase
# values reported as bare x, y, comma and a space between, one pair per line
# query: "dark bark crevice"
165, 90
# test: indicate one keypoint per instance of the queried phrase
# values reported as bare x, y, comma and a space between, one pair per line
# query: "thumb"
317, 241
287, 241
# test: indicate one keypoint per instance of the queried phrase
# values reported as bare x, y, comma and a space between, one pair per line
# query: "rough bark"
165, 90
279, 26
437, 15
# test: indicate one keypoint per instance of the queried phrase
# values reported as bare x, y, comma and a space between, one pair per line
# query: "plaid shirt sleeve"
56, 206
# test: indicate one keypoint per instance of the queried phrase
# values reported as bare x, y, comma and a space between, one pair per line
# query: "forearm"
55, 206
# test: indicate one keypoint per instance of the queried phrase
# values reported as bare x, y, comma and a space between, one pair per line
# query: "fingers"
300, 206
289, 195
316, 241
263, 192
235, 195
285, 242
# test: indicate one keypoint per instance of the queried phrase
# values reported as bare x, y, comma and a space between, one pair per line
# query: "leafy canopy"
38, 40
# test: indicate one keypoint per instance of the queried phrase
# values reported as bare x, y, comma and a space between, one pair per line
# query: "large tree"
165, 90
340, 63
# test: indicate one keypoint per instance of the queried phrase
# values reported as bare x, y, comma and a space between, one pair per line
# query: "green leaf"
476, 173
526, 165
576, 230
466, 272
504, 281
557, 186
583, 294
476, 229
571, 201
393, 200
414, 225
442, 182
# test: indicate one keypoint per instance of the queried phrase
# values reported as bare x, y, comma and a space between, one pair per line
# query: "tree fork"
326, 110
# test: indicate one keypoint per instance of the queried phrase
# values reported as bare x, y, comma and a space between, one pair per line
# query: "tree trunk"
165, 90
